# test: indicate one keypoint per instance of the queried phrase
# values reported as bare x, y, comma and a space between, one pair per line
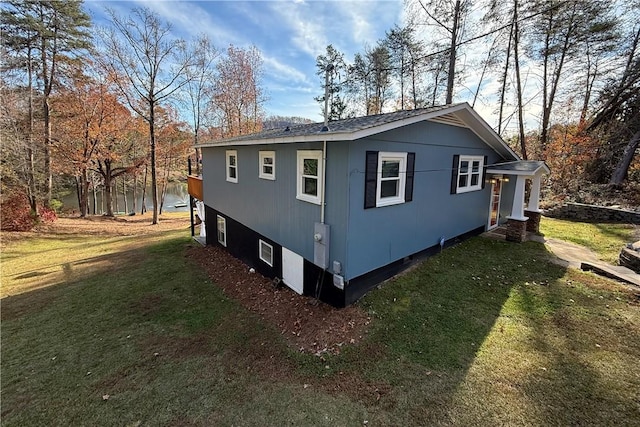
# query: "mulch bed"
308, 325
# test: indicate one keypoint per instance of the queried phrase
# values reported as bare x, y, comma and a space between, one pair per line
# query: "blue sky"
289, 34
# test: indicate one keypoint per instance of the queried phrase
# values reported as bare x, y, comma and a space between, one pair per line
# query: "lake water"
176, 194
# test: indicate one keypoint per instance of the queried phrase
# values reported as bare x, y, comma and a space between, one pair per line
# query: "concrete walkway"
571, 255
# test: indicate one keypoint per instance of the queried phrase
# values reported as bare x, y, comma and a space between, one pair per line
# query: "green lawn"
606, 240
486, 333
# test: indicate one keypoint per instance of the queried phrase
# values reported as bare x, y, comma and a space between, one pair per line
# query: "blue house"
333, 212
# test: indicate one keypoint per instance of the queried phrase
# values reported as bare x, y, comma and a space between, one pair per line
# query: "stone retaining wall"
630, 259
591, 213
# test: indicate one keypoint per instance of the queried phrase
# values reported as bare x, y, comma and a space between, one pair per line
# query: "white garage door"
293, 270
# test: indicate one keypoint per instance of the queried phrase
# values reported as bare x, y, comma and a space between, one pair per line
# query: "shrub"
16, 215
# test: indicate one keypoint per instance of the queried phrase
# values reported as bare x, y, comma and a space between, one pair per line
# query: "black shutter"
370, 179
408, 185
454, 174
484, 171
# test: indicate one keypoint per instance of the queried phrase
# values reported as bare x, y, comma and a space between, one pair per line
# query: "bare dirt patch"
308, 325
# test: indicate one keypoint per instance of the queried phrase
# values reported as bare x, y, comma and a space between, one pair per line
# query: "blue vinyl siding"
379, 236
362, 240
270, 207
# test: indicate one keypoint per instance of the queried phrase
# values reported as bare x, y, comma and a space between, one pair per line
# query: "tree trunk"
47, 151
135, 192
95, 196
154, 182
107, 201
620, 172
78, 180
31, 182
83, 194
143, 207
452, 53
124, 194
516, 60
503, 89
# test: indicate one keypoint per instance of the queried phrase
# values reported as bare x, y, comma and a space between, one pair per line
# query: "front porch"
523, 218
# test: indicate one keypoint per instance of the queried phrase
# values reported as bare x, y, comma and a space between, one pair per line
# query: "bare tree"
149, 66
199, 89
449, 16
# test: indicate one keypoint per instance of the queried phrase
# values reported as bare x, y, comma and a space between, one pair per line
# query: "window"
265, 252
309, 187
470, 172
391, 178
232, 166
267, 165
222, 230
388, 178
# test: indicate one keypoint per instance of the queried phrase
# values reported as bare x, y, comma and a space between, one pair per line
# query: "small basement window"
222, 230
470, 171
232, 166
265, 252
309, 176
267, 165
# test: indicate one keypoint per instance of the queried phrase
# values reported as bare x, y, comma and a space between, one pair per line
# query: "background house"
332, 212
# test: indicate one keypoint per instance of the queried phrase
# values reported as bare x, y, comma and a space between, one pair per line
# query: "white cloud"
279, 71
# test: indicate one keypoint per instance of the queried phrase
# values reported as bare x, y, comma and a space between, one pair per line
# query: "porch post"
533, 207
517, 209
534, 196
517, 222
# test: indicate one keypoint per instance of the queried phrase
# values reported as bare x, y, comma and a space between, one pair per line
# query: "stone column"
516, 230
533, 223
533, 211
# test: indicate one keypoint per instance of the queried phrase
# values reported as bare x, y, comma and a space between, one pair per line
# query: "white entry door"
293, 270
494, 207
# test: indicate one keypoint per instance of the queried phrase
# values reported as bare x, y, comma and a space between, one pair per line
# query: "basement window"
265, 252
222, 230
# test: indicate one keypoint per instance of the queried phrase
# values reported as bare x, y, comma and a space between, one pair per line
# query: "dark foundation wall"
242, 243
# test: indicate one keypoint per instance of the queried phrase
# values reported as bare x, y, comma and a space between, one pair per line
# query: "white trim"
493, 185
401, 158
262, 155
470, 187
302, 155
262, 243
221, 221
228, 166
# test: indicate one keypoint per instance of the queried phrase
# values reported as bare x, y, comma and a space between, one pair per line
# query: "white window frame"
262, 243
401, 158
228, 165
262, 155
221, 231
302, 156
467, 188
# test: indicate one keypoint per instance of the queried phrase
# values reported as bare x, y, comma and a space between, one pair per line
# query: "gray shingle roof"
335, 127
361, 127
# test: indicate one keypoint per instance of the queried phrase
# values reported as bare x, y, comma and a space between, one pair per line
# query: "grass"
485, 333
606, 240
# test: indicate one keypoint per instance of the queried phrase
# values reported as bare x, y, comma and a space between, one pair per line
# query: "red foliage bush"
15, 214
